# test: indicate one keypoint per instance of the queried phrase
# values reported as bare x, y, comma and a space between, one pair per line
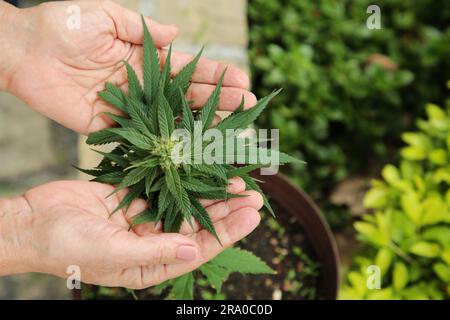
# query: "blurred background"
349, 93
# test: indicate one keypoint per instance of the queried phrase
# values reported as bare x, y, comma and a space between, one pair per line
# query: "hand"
66, 223
59, 71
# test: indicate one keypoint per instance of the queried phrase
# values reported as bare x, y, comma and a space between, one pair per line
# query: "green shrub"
348, 91
408, 236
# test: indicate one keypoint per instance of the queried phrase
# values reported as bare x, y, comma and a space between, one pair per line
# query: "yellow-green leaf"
412, 207
390, 174
425, 249
383, 259
376, 198
400, 276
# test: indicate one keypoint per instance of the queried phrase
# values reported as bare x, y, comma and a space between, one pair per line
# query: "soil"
282, 244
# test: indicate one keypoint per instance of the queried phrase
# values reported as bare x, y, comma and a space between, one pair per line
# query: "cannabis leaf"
143, 160
243, 261
183, 287
217, 271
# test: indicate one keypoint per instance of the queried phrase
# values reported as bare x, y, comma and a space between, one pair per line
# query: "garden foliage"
408, 235
349, 91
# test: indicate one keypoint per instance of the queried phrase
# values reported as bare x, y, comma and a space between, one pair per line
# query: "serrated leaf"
138, 114
165, 117
150, 65
121, 121
183, 287
236, 172
133, 136
170, 216
134, 86
198, 186
243, 261
209, 109
113, 100
134, 193
181, 83
216, 195
163, 201
143, 217
91, 172
174, 224
111, 178
201, 215
240, 108
215, 170
215, 275
147, 163
188, 118
133, 177
244, 118
149, 179
102, 137
113, 157
165, 74
108, 165
157, 185
251, 184
176, 189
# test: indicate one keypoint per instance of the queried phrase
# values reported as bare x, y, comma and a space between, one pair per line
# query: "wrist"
15, 238
13, 32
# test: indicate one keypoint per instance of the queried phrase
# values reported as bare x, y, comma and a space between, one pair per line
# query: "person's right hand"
66, 223
58, 71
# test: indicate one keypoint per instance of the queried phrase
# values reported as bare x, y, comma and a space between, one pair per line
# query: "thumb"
129, 26
164, 248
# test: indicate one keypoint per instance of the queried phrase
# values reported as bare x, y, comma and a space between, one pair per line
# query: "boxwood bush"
408, 235
349, 91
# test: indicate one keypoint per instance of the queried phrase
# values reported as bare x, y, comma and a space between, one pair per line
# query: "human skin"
58, 72
67, 223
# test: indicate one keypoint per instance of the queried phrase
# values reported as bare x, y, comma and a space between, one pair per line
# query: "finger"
136, 207
147, 228
222, 209
216, 120
229, 99
235, 185
230, 230
129, 26
208, 71
165, 248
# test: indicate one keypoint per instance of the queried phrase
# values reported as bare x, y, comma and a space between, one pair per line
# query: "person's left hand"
58, 71
66, 223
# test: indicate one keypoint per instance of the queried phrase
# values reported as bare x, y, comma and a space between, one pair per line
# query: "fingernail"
187, 253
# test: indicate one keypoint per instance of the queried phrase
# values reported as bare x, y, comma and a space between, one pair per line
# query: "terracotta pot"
296, 202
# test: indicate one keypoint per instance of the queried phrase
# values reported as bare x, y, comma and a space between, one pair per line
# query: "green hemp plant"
143, 159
